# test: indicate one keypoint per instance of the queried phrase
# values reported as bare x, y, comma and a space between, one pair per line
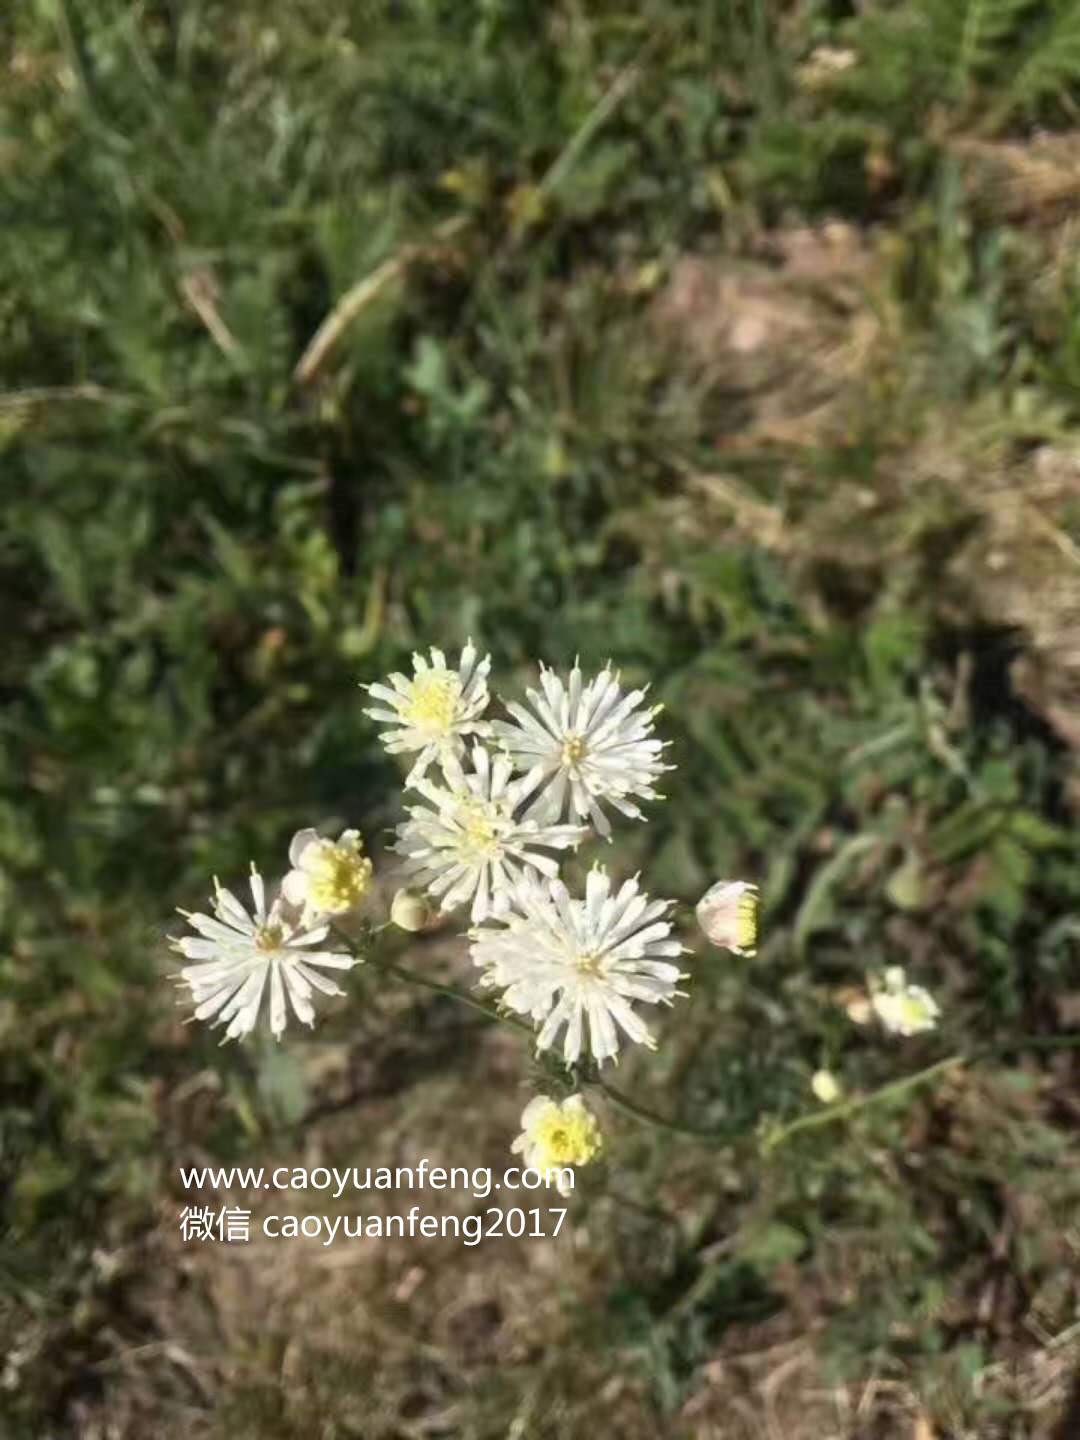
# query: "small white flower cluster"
900, 1007
499, 803
511, 792
903, 1008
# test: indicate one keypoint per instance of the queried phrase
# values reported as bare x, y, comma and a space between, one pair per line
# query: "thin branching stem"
438, 987
651, 1117
772, 1137
425, 982
843, 1108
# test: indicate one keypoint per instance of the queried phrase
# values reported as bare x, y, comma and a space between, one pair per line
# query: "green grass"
841, 544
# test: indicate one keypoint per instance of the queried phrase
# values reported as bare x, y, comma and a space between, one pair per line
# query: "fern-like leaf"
1051, 65
986, 26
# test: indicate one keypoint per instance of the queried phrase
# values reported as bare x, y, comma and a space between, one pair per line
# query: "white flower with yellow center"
903, 1009
329, 877
240, 953
582, 963
433, 712
556, 1135
586, 744
727, 913
470, 842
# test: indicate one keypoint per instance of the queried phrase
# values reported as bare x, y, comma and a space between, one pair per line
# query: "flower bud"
859, 1010
826, 1087
410, 911
727, 913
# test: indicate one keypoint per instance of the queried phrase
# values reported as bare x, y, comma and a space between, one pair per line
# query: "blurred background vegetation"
738, 340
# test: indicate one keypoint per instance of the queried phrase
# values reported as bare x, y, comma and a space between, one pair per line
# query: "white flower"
903, 1009
585, 744
329, 877
469, 842
434, 710
238, 952
567, 962
556, 1135
826, 1087
727, 913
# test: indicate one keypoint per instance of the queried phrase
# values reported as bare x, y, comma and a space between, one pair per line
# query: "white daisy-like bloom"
902, 1008
586, 744
329, 877
431, 713
556, 1135
239, 952
471, 843
582, 963
727, 913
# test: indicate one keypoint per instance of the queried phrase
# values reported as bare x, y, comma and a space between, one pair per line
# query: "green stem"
651, 1212
774, 1138
849, 1107
844, 1108
650, 1117
412, 978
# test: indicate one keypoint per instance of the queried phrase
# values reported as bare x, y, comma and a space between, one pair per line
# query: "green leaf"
1052, 63
817, 908
904, 886
771, 1244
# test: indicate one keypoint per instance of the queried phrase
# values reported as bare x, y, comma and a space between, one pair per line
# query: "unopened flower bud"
410, 911
826, 1087
727, 913
859, 1010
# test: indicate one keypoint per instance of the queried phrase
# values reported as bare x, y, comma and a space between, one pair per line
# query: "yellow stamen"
338, 876
565, 1136
480, 830
433, 702
588, 963
574, 749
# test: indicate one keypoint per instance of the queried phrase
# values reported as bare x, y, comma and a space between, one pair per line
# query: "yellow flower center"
913, 1011
268, 938
338, 875
565, 1137
588, 963
574, 749
746, 922
480, 837
433, 702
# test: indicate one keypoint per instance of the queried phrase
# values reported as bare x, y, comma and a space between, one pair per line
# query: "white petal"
230, 910
299, 843
294, 887
299, 992
312, 977
258, 895
328, 959
277, 1001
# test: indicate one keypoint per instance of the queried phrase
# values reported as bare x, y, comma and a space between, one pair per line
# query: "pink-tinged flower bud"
727, 913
